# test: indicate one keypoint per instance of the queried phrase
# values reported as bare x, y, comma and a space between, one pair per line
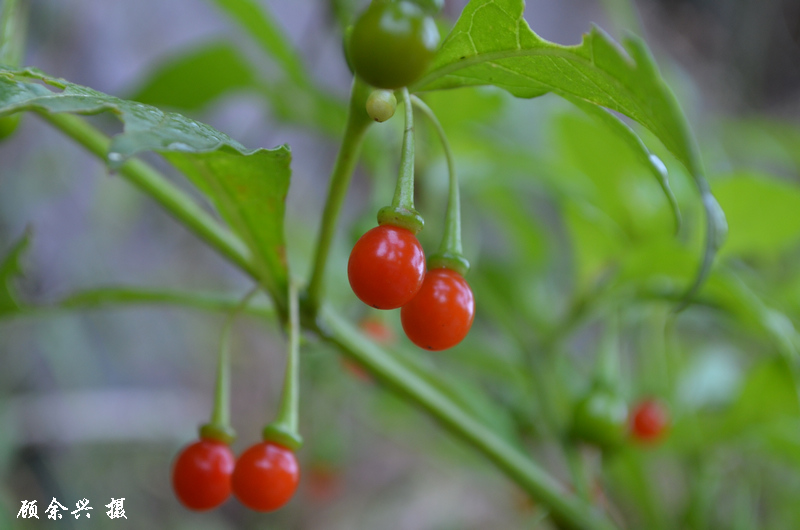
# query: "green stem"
220, 425
357, 123
518, 466
125, 296
284, 429
450, 253
608, 367
578, 470
646, 493
404, 192
13, 18
13, 27
151, 182
94, 298
402, 213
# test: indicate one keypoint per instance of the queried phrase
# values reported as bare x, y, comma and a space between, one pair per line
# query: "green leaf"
617, 181
492, 44
597, 241
763, 213
650, 161
248, 187
253, 205
9, 269
194, 79
256, 20
768, 394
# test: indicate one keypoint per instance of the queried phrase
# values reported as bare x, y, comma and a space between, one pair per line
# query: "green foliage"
10, 267
570, 225
762, 213
195, 79
248, 187
492, 44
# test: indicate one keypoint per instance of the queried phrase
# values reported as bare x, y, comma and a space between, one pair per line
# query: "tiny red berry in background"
650, 421
201, 475
441, 314
386, 267
378, 331
356, 370
266, 476
323, 483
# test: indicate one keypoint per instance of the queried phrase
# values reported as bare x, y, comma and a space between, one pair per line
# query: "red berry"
266, 476
324, 483
378, 331
440, 316
386, 267
650, 420
201, 475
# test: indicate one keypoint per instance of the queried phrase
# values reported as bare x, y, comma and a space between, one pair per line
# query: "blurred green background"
565, 228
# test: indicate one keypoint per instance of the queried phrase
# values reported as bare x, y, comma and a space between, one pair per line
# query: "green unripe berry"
381, 105
601, 419
392, 44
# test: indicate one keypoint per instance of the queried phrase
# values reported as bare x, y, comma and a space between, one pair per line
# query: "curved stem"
404, 192
402, 213
284, 429
357, 123
220, 425
450, 253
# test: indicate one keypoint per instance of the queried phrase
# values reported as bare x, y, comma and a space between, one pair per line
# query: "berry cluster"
387, 271
601, 418
264, 477
391, 45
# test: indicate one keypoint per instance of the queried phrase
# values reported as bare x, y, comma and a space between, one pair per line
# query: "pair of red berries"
264, 477
387, 270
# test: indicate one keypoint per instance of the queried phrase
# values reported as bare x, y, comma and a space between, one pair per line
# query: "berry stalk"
284, 429
219, 427
450, 253
402, 213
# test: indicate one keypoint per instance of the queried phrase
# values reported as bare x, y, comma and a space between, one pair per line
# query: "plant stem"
510, 460
156, 186
450, 253
404, 192
220, 424
608, 362
401, 213
284, 429
13, 18
132, 296
94, 298
357, 123
578, 470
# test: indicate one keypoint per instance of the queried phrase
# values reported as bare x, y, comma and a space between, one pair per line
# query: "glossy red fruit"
386, 267
440, 316
201, 475
266, 476
650, 421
